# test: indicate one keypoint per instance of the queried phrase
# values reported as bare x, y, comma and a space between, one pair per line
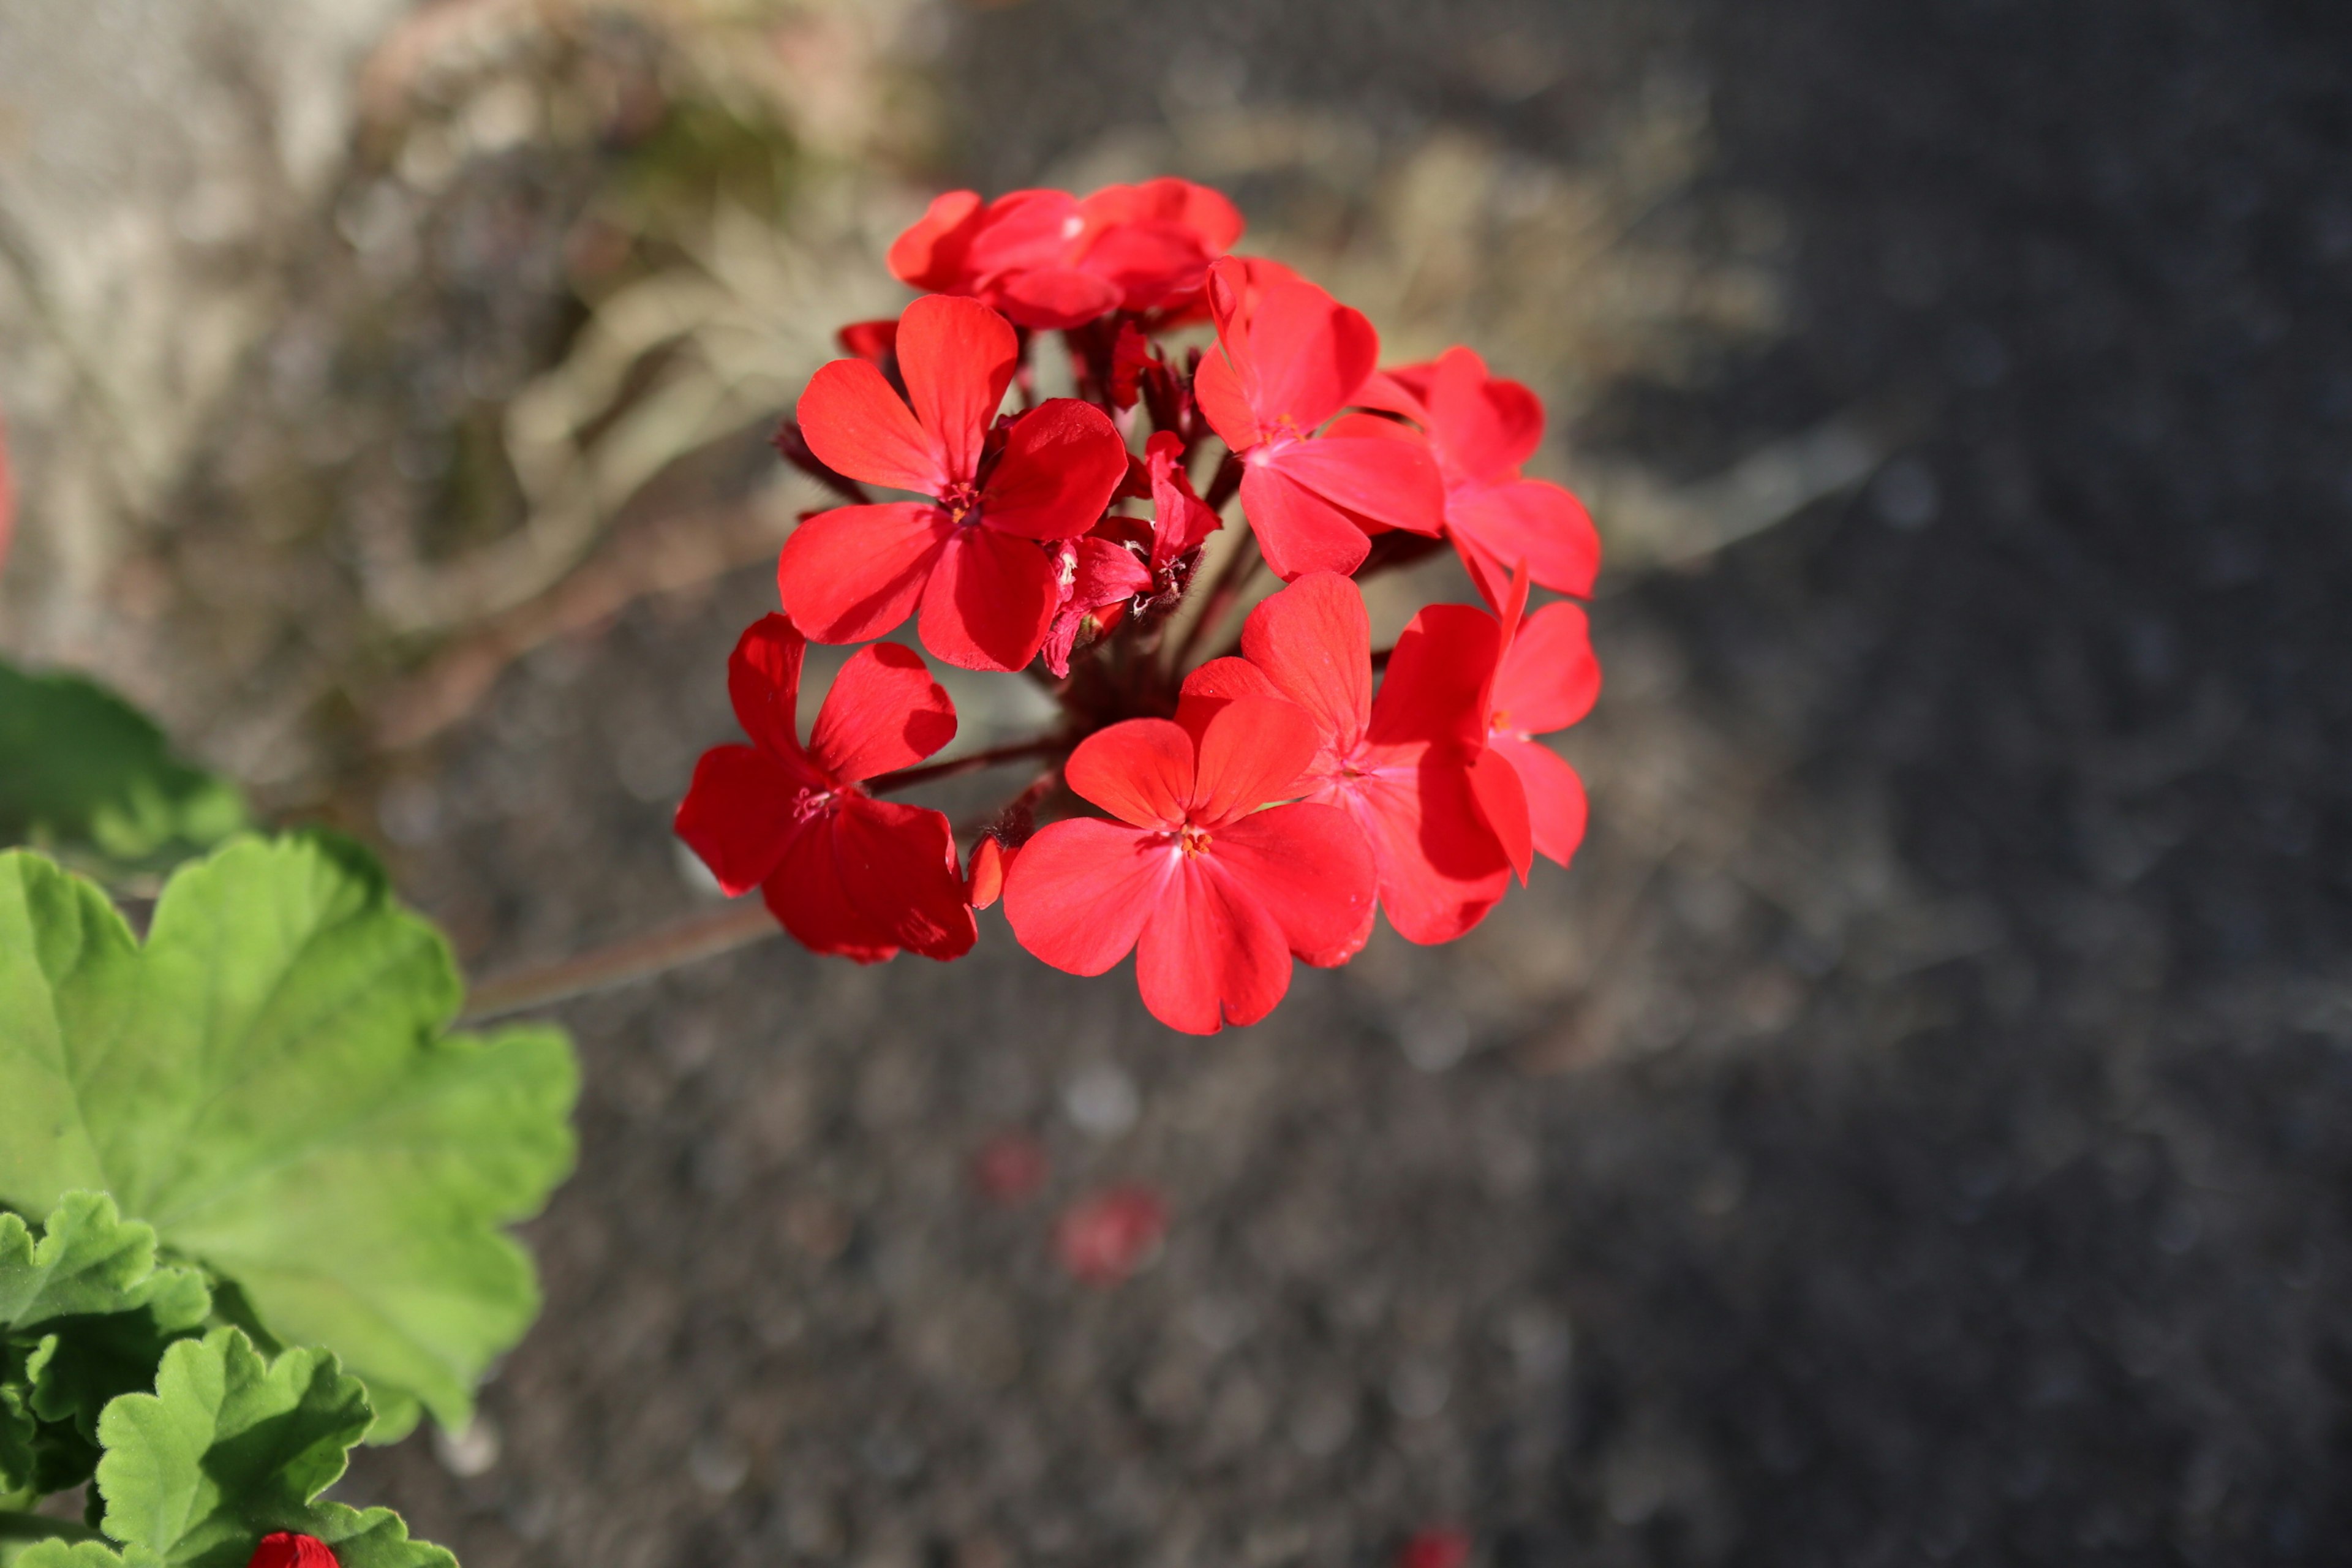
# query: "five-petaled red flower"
974, 558
1050, 260
1290, 357
845, 873
1400, 763
1543, 677
1481, 428
1213, 892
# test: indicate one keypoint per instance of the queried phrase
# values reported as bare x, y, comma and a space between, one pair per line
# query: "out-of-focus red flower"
970, 558
1010, 1167
1286, 368
1104, 1238
875, 342
284, 1548
1048, 259
1481, 428
1545, 678
1439, 1548
1400, 764
1213, 893
7, 495
845, 873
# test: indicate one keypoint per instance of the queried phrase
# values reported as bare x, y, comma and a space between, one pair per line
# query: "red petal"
1179, 521
1252, 752
958, 357
1534, 521
1556, 803
1440, 866
1140, 771
1310, 868
284, 1548
1208, 688
853, 574
1381, 478
1389, 390
763, 682
930, 254
1484, 428
1297, 529
1549, 677
873, 341
985, 881
1148, 263
858, 426
1025, 230
1210, 952
737, 815
1062, 461
1205, 213
808, 894
1056, 299
899, 862
989, 601
1314, 641
1436, 689
1224, 401
1312, 355
1503, 803
1079, 893
884, 711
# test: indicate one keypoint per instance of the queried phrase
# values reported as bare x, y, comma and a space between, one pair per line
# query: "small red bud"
287, 1550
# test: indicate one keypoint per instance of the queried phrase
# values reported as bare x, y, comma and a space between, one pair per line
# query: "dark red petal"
1210, 952
1062, 461
1308, 865
884, 711
1311, 353
1549, 677
1252, 752
737, 815
1179, 521
1388, 481
1530, 521
1225, 401
858, 426
1503, 803
1104, 1238
1389, 392
1080, 890
1555, 801
1140, 771
857, 572
1298, 530
1485, 427
873, 341
1441, 867
1056, 299
763, 682
285, 1549
1314, 641
989, 601
930, 254
958, 357
1435, 689
808, 894
898, 863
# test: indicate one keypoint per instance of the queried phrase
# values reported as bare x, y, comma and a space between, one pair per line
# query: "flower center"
961, 504
811, 803
1191, 840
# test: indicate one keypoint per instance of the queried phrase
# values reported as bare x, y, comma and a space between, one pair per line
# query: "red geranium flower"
1400, 763
1103, 573
845, 873
1481, 428
1545, 678
1049, 260
285, 1549
1213, 893
972, 556
1287, 367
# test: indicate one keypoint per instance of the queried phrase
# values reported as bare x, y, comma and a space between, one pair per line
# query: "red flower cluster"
1256, 806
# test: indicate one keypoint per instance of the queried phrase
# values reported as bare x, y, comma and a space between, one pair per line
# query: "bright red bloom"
845, 873
1400, 764
970, 558
284, 1548
1481, 428
1050, 260
1545, 679
1213, 893
1289, 366
1104, 1238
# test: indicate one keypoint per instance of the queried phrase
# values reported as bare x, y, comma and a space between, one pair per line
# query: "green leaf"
54, 1552
86, 775
230, 1448
266, 1083
90, 1261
